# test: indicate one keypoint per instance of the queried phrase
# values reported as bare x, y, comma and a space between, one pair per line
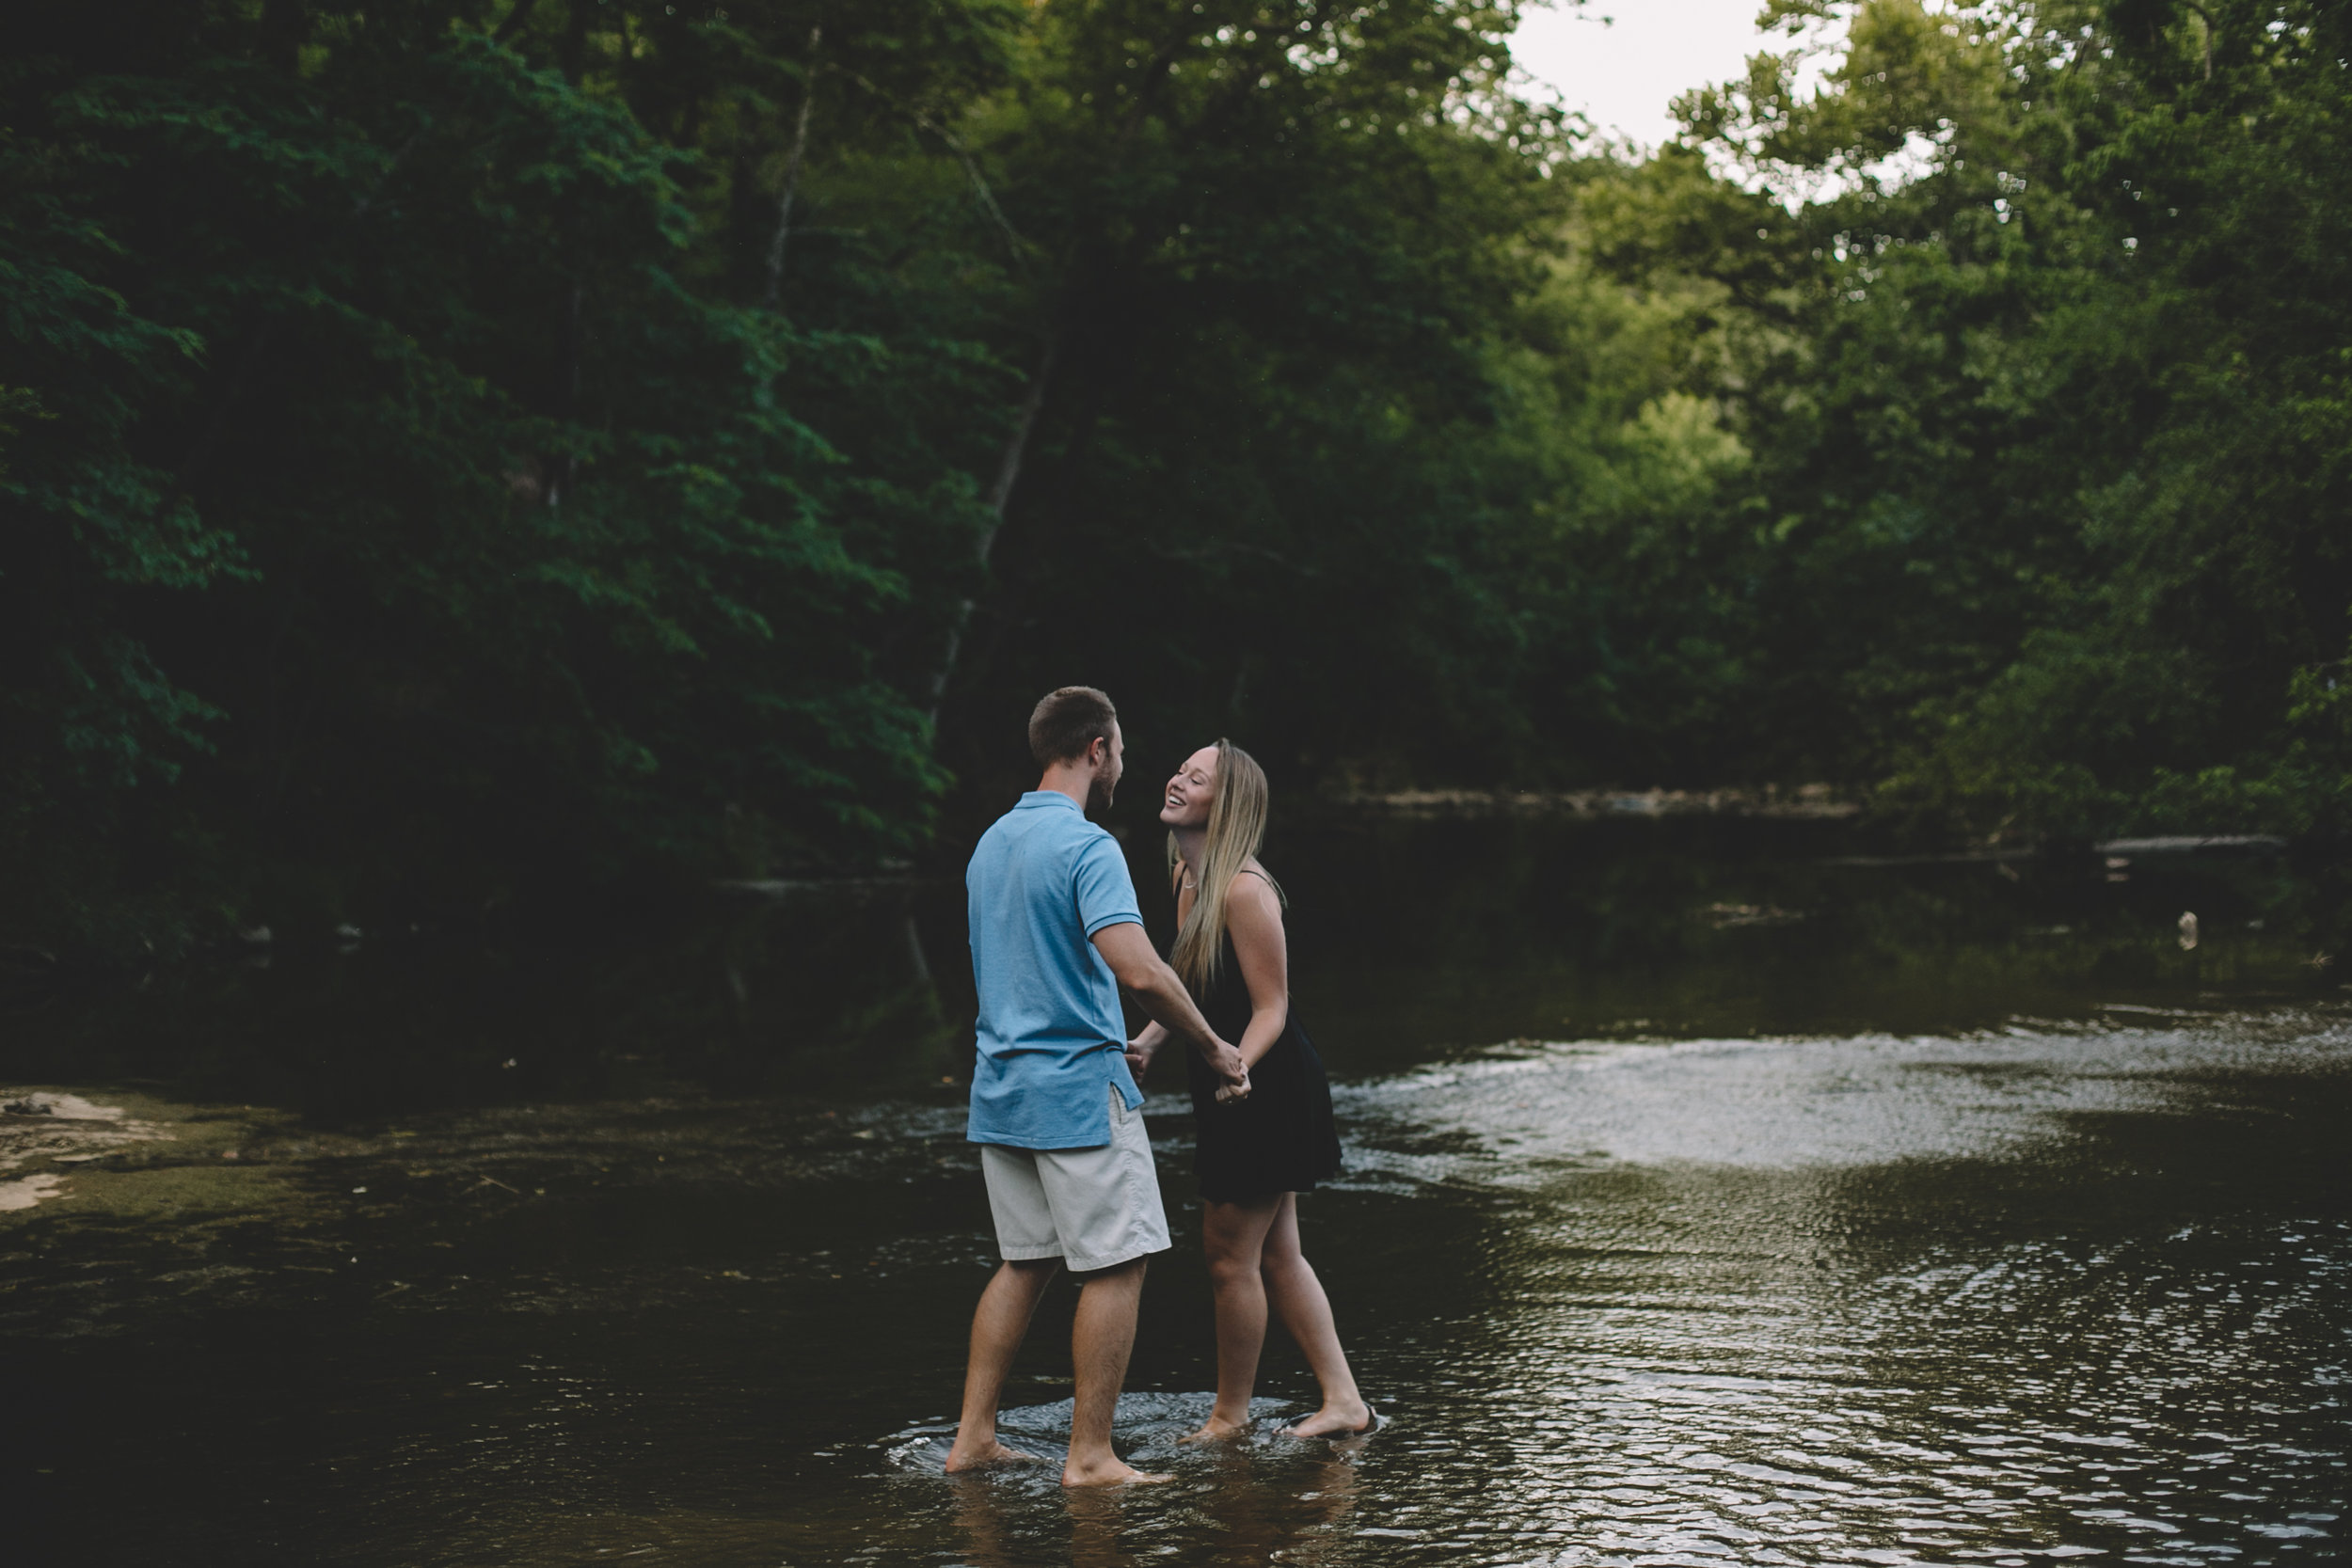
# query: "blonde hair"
1237, 818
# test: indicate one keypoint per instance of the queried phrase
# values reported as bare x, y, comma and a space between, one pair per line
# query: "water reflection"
1231, 1505
2064, 1327
1263, 1501
1410, 940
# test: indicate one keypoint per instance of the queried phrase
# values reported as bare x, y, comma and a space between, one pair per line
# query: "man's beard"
1099, 793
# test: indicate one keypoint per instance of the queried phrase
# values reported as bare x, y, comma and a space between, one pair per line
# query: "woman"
1256, 1154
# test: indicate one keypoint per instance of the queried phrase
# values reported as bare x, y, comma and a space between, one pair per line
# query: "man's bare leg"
1306, 1311
1099, 1343
1234, 1235
998, 1326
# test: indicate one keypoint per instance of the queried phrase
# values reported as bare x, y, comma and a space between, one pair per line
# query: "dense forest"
450, 443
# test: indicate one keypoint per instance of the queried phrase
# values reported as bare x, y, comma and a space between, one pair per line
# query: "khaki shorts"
1092, 1208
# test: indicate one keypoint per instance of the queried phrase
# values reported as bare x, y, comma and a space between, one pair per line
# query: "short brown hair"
1065, 722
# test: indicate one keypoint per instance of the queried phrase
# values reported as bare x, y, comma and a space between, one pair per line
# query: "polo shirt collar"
1048, 798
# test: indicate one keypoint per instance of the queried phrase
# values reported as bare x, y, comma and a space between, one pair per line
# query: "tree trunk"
792, 165
1033, 401
999, 496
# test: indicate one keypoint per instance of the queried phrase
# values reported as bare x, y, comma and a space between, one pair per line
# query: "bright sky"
1623, 71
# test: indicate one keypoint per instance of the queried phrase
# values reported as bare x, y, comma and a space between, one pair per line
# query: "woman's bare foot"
1352, 1420
981, 1455
1216, 1429
1107, 1472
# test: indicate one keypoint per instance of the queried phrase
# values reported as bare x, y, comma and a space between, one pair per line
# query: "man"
1055, 1109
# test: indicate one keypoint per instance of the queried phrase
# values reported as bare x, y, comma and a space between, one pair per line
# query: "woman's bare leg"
1298, 1298
1233, 1236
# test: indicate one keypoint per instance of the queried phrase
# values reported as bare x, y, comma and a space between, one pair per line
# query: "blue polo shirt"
1042, 881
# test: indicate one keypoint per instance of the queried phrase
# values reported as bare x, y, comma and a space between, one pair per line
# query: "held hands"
1228, 1065
1227, 1062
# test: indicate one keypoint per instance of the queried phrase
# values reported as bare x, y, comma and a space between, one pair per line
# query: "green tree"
2060, 462
421, 472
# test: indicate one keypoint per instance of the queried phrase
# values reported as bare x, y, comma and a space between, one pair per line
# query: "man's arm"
1156, 989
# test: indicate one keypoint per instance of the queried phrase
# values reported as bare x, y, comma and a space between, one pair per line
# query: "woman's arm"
1144, 1047
1254, 916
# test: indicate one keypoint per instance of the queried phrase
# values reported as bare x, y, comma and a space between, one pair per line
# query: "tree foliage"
457, 443
2058, 461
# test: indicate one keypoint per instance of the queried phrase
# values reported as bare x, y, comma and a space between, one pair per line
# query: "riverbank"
1815, 803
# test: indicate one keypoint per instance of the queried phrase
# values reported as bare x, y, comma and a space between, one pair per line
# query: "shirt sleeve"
1106, 894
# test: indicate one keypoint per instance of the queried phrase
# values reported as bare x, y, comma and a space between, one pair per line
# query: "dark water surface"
1711, 1200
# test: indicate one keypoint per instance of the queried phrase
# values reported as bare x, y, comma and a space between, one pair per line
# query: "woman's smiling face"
1192, 791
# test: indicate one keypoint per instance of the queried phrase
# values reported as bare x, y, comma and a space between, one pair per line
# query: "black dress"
1279, 1140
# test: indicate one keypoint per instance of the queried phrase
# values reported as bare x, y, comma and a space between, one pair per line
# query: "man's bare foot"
1107, 1472
981, 1455
1216, 1429
1352, 1420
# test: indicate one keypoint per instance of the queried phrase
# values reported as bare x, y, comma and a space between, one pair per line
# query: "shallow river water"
1716, 1194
